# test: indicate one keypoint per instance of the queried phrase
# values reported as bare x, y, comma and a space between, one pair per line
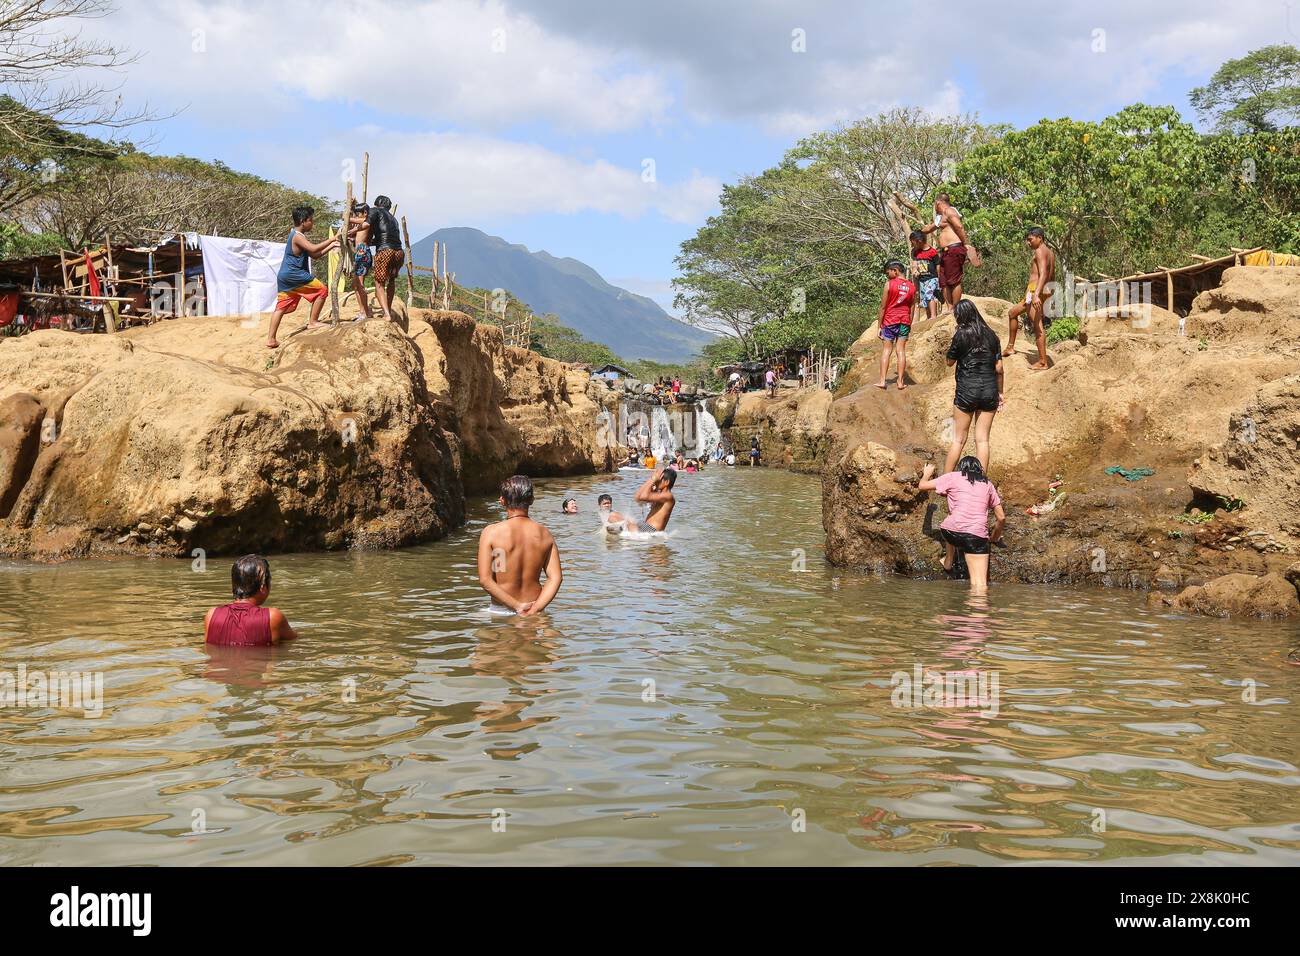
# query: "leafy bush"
1063, 329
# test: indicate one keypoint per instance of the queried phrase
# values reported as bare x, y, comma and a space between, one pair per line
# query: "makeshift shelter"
99, 288
751, 373
184, 274
1175, 289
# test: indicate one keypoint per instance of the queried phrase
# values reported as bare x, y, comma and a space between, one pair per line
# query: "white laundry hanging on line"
240, 274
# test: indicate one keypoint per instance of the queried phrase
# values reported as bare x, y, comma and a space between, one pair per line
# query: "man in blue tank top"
295, 280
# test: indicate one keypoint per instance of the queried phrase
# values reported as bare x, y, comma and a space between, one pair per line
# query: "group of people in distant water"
936, 275
377, 238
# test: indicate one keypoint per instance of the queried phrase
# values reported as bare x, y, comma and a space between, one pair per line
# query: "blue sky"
534, 119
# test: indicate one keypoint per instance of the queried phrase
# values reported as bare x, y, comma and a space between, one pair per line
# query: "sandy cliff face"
511, 410
793, 430
1215, 412
191, 434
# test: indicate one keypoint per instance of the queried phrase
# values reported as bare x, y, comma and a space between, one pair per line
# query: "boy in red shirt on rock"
895, 321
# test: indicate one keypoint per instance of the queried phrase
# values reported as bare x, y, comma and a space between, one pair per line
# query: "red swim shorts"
951, 263
310, 292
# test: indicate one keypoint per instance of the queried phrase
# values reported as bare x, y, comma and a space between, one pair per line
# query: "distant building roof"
611, 367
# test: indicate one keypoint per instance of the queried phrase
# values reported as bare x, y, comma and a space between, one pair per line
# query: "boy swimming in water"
615, 522
512, 554
658, 492
244, 622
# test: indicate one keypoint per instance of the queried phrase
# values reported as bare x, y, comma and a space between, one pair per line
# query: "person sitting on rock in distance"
895, 321
244, 622
513, 554
295, 279
971, 496
976, 352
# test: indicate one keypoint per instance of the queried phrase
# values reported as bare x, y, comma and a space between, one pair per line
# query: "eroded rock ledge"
191, 434
1216, 413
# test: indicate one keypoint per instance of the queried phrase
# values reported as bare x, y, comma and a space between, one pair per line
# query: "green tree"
1111, 196
136, 196
1256, 93
796, 250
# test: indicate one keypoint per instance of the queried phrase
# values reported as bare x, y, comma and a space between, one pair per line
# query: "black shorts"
964, 542
980, 398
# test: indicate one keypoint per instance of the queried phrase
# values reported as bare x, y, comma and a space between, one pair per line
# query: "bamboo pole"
181, 313
343, 257
1169, 291
365, 179
410, 281
110, 324
448, 279
76, 296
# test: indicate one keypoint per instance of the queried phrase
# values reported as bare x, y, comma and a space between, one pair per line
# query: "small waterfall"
662, 441
708, 434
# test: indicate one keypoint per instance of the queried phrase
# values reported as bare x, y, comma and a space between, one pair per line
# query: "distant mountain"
632, 325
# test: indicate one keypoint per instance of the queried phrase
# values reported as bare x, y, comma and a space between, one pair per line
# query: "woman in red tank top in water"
244, 622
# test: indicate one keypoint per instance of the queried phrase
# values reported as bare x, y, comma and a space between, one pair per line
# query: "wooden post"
1169, 291
63, 264
447, 280
365, 179
410, 283
433, 289
181, 239
343, 257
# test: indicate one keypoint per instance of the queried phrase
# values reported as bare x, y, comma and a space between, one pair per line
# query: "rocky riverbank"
1215, 412
191, 434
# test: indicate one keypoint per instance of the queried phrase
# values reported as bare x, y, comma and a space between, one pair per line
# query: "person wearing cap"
895, 321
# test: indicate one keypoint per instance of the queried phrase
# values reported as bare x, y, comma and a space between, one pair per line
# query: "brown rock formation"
1267, 596
191, 434
1227, 408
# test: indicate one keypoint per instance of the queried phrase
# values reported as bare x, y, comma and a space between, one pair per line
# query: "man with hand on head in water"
513, 553
658, 492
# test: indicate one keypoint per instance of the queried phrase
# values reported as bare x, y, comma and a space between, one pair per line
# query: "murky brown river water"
696, 700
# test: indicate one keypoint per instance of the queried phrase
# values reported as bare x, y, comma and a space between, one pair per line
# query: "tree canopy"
1256, 93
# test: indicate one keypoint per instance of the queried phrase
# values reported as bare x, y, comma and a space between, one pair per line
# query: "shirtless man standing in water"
513, 553
658, 491
1042, 276
952, 249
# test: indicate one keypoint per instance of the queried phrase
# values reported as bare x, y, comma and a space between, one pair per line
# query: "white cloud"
1020, 56
452, 61
451, 178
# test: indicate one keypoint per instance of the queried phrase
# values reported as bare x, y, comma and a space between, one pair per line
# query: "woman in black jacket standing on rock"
977, 353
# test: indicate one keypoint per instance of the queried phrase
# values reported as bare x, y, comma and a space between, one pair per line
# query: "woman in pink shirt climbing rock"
971, 496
